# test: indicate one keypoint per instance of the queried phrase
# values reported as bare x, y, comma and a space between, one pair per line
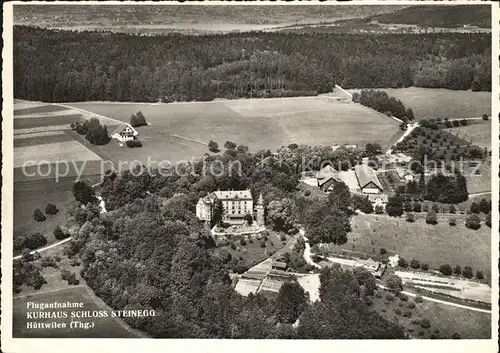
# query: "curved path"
45, 248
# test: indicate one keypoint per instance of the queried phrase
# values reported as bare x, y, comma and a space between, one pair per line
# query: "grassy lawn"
429, 103
252, 253
48, 108
478, 134
434, 245
104, 327
258, 123
36, 194
446, 319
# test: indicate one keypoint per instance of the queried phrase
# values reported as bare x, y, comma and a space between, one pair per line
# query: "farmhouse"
368, 180
124, 132
237, 204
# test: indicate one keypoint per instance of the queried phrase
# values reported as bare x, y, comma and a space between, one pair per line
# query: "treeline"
381, 102
439, 16
257, 64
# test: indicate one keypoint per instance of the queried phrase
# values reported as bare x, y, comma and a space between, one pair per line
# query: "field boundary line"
190, 139
86, 112
45, 248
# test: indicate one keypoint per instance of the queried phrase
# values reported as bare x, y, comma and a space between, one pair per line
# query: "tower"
260, 210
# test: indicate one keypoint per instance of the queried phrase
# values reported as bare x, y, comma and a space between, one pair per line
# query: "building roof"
330, 178
233, 195
122, 127
402, 172
326, 171
367, 175
279, 264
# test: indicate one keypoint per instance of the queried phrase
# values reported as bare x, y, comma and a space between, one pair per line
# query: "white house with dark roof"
124, 132
368, 180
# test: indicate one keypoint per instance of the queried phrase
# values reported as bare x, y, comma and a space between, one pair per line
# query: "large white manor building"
237, 204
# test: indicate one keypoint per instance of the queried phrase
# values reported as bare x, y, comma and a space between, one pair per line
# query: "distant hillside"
439, 16
111, 15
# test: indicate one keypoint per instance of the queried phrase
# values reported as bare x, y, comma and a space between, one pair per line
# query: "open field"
478, 134
258, 123
105, 327
429, 103
435, 245
30, 195
446, 319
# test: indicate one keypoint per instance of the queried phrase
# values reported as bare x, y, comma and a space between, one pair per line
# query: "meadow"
258, 123
432, 244
445, 320
478, 134
428, 103
104, 327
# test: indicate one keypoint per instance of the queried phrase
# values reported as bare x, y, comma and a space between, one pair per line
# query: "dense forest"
149, 251
53, 65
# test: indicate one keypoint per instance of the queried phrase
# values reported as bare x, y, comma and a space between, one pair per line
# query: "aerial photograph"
252, 171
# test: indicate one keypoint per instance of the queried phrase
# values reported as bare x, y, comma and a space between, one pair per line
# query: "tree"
425, 323
474, 207
373, 149
218, 212
379, 209
467, 272
435, 208
290, 303
431, 218
417, 207
410, 217
457, 270
213, 146
394, 283
479, 275
370, 285
281, 216
340, 196
485, 206
488, 220
362, 203
249, 219
485, 116
34, 241
59, 234
446, 269
408, 206
394, 206
84, 193
452, 222
402, 262
51, 209
452, 209
414, 263
229, 145
138, 120
424, 267
39, 216
473, 222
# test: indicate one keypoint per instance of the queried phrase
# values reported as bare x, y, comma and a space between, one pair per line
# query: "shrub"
417, 207
457, 270
138, 120
407, 313
415, 322
243, 242
485, 116
263, 243
411, 305
282, 237
431, 217
446, 270
424, 267
452, 209
59, 234
397, 311
390, 297
213, 146
419, 299
403, 297
379, 209
410, 217
134, 143
467, 272
70, 277
414, 263
307, 192
51, 209
378, 295
38, 215
452, 222
233, 246
34, 241
402, 262
383, 251
425, 323
473, 222
479, 274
